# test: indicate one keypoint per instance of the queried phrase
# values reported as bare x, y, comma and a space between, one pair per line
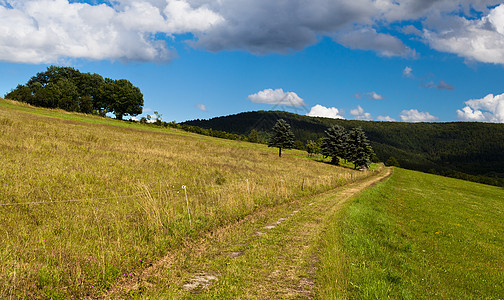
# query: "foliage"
69, 89
282, 136
392, 162
469, 150
121, 98
313, 147
336, 144
253, 136
359, 150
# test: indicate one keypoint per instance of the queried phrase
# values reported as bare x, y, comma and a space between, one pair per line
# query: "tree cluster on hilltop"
338, 144
350, 145
69, 89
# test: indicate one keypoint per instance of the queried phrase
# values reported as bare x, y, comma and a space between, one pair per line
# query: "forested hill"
446, 148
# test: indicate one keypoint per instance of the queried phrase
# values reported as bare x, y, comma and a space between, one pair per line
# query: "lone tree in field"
282, 136
335, 144
359, 149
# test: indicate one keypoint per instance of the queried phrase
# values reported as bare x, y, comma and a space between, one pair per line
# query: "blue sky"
407, 60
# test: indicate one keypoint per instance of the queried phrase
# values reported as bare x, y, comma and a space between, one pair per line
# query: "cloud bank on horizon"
48, 31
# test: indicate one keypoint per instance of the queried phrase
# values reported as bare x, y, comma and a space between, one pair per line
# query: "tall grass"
417, 236
131, 207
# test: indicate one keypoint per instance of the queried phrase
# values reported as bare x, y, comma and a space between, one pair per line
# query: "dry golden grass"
137, 210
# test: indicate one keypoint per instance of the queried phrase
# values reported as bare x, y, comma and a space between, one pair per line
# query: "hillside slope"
472, 148
87, 202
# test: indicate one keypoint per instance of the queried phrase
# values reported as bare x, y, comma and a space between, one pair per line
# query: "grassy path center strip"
270, 254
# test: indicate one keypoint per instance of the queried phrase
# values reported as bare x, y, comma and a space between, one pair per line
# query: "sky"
381, 60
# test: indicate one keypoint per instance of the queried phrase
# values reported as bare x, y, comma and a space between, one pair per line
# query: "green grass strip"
416, 236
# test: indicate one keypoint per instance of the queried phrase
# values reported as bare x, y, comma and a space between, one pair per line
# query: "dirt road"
269, 255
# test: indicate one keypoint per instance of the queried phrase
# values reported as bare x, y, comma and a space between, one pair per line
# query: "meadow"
416, 236
87, 202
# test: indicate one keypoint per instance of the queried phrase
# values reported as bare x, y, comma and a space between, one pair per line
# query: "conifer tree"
335, 144
359, 149
282, 136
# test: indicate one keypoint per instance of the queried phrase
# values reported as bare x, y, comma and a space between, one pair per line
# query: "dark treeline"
69, 89
470, 151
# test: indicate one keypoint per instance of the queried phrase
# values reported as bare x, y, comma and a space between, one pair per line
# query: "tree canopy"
282, 136
359, 149
335, 144
69, 89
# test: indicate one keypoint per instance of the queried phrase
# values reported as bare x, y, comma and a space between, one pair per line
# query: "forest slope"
447, 148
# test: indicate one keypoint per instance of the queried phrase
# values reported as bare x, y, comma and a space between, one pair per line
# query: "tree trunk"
279, 152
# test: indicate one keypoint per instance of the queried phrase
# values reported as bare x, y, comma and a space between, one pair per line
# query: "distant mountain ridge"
455, 149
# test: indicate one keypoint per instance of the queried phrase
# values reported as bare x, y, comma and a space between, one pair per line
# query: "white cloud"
475, 39
385, 119
488, 109
414, 115
359, 114
325, 112
408, 72
375, 96
201, 107
277, 97
181, 17
48, 31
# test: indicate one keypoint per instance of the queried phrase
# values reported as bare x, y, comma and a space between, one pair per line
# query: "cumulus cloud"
277, 97
488, 109
385, 119
479, 39
201, 107
414, 115
360, 114
325, 112
46, 31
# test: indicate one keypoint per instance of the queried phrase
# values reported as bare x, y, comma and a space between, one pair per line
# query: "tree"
313, 147
299, 145
21, 93
359, 150
121, 97
335, 144
253, 136
392, 162
282, 136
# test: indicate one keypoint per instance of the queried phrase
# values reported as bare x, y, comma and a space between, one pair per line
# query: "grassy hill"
87, 202
416, 236
473, 151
